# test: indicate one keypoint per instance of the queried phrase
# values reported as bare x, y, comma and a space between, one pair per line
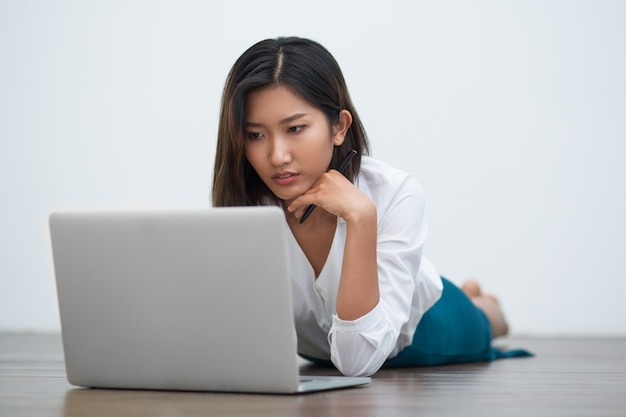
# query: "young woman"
364, 296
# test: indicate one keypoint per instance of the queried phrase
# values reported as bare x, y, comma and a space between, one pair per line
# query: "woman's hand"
335, 194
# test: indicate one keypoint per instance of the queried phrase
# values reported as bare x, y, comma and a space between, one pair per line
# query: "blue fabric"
454, 330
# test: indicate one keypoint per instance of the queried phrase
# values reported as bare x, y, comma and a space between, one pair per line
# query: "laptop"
194, 300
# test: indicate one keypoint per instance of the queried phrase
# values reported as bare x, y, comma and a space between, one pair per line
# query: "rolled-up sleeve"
360, 347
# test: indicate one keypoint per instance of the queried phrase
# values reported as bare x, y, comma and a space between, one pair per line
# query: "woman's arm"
361, 346
358, 288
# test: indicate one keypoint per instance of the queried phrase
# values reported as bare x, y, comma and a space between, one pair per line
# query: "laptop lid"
177, 300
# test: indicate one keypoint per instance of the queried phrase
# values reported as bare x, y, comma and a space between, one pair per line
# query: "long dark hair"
307, 69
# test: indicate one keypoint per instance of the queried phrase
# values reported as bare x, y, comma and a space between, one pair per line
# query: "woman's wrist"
363, 215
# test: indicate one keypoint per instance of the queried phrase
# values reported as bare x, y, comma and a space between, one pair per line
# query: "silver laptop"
179, 300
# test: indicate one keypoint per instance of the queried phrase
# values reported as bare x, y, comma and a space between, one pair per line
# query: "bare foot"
471, 288
489, 305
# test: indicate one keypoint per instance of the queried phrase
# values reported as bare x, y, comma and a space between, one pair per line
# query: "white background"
511, 113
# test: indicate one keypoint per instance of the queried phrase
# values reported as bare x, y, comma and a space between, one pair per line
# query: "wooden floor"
567, 377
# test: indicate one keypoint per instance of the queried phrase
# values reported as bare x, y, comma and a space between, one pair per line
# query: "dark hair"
307, 69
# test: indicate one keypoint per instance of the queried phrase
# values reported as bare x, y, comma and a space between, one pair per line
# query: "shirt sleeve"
360, 347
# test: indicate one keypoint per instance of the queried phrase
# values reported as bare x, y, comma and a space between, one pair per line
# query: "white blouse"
409, 284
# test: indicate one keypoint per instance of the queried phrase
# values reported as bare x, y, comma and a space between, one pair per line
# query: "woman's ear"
340, 129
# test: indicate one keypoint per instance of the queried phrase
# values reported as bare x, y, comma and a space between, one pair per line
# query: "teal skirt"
453, 330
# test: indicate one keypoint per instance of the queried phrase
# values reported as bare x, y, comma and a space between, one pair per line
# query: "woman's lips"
285, 178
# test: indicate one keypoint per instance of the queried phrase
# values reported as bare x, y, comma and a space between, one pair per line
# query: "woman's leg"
489, 305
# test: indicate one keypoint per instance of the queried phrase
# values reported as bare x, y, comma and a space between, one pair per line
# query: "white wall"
511, 113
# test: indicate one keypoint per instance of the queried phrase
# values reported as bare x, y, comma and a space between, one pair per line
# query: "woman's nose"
280, 154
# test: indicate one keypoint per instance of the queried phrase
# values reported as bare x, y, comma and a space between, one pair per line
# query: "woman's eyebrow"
283, 121
292, 118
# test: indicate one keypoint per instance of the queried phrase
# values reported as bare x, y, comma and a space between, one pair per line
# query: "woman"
364, 296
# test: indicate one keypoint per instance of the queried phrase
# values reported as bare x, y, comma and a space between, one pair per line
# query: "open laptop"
179, 300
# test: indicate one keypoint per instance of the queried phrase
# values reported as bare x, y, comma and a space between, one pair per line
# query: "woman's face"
288, 142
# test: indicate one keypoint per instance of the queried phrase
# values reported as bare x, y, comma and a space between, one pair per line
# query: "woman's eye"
295, 129
254, 135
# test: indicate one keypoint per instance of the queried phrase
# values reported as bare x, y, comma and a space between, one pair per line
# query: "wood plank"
574, 377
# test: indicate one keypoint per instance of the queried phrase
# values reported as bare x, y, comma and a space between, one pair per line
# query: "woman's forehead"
277, 104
